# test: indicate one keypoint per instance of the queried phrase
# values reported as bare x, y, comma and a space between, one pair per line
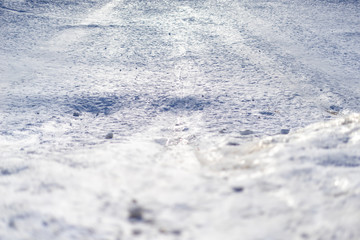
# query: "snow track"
229, 119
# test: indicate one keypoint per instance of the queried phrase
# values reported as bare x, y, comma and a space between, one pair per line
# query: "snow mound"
309, 179
333, 143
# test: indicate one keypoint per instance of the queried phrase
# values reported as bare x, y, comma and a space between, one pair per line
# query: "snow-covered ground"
179, 119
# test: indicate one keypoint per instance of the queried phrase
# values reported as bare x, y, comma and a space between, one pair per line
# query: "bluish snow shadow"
189, 103
98, 104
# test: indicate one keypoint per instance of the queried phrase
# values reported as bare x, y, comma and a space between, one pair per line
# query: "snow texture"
179, 119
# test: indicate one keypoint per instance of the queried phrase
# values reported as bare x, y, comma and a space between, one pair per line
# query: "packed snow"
179, 119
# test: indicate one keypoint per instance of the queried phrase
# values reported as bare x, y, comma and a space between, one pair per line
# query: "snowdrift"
333, 143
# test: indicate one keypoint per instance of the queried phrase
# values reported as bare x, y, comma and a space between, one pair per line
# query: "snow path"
196, 94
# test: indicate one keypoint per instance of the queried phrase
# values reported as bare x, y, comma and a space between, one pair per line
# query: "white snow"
228, 119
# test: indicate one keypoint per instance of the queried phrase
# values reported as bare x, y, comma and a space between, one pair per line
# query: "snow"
179, 119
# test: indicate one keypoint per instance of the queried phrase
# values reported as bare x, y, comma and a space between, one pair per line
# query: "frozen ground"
227, 119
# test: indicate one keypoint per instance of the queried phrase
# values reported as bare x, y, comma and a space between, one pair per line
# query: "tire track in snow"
303, 68
98, 18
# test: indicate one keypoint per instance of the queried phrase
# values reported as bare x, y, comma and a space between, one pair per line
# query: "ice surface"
179, 119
